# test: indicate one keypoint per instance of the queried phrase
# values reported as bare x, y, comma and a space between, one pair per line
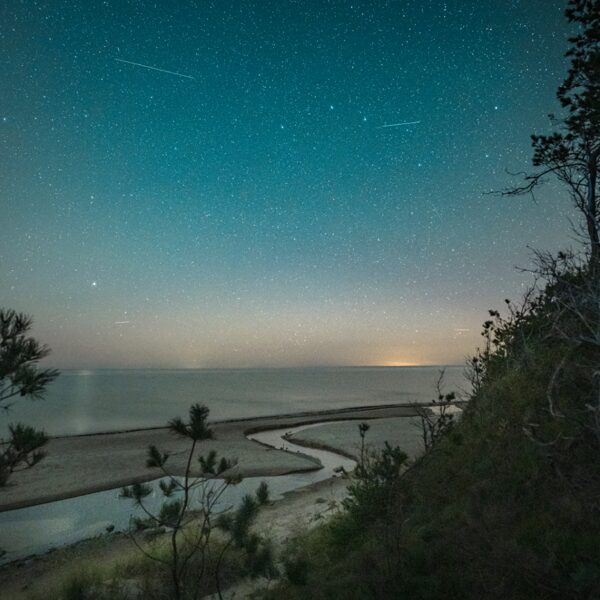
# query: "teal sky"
250, 208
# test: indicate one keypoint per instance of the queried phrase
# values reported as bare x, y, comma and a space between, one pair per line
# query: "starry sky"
245, 206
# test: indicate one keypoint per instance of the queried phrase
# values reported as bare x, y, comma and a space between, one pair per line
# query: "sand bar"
343, 438
78, 465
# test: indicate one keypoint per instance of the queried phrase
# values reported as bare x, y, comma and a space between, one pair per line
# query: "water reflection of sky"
111, 400
37, 529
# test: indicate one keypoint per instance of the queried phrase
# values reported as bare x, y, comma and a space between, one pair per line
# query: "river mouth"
38, 529
331, 462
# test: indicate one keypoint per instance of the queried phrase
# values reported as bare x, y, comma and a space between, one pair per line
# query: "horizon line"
261, 368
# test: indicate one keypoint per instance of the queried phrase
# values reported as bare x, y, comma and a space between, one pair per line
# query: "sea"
91, 401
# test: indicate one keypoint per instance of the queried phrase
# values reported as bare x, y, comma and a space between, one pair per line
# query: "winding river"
38, 529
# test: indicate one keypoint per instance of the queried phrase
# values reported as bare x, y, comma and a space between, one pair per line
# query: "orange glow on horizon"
399, 363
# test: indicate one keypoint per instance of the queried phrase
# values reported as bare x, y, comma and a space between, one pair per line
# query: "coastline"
83, 464
36, 575
296, 509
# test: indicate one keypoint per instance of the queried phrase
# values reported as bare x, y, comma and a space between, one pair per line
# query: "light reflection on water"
115, 400
37, 529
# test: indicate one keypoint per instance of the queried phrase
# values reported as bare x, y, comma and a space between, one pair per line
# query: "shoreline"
296, 508
83, 464
292, 415
36, 574
300, 441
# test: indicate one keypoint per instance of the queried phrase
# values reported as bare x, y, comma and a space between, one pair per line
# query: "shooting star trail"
129, 62
398, 124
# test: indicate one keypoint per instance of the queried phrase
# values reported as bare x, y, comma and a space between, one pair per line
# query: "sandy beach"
42, 575
343, 438
82, 464
79, 465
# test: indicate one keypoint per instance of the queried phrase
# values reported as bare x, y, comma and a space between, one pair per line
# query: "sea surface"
89, 401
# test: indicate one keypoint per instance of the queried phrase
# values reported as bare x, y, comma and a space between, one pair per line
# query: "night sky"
249, 208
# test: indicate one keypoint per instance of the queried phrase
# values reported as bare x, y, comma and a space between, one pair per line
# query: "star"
178, 172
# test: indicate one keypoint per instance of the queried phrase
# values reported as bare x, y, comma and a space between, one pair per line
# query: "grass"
114, 578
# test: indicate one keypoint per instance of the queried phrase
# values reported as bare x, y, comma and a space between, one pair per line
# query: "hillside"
505, 505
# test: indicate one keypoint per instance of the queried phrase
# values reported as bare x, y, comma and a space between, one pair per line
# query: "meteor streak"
399, 124
129, 62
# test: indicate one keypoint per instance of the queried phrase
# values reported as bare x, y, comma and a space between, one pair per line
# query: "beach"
84, 464
38, 576
79, 465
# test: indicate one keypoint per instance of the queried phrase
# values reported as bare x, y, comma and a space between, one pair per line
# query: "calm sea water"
111, 400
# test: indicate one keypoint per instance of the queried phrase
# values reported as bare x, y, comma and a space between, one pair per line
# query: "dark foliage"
504, 504
20, 377
437, 419
191, 511
19, 354
572, 152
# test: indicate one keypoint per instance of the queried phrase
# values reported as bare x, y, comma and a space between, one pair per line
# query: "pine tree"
572, 152
20, 377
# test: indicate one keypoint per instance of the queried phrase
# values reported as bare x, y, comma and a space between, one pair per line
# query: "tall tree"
20, 377
192, 510
572, 152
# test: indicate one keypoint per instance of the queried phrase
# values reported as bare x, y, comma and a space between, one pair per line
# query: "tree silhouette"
20, 377
572, 152
191, 512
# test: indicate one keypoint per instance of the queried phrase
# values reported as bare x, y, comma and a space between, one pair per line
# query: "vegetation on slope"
505, 503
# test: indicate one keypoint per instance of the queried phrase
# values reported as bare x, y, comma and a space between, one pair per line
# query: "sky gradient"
252, 210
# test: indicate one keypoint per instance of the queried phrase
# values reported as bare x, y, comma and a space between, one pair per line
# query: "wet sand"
343, 437
41, 577
297, 510
79, 465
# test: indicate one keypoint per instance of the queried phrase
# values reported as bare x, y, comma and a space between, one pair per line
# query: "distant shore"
83, 464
